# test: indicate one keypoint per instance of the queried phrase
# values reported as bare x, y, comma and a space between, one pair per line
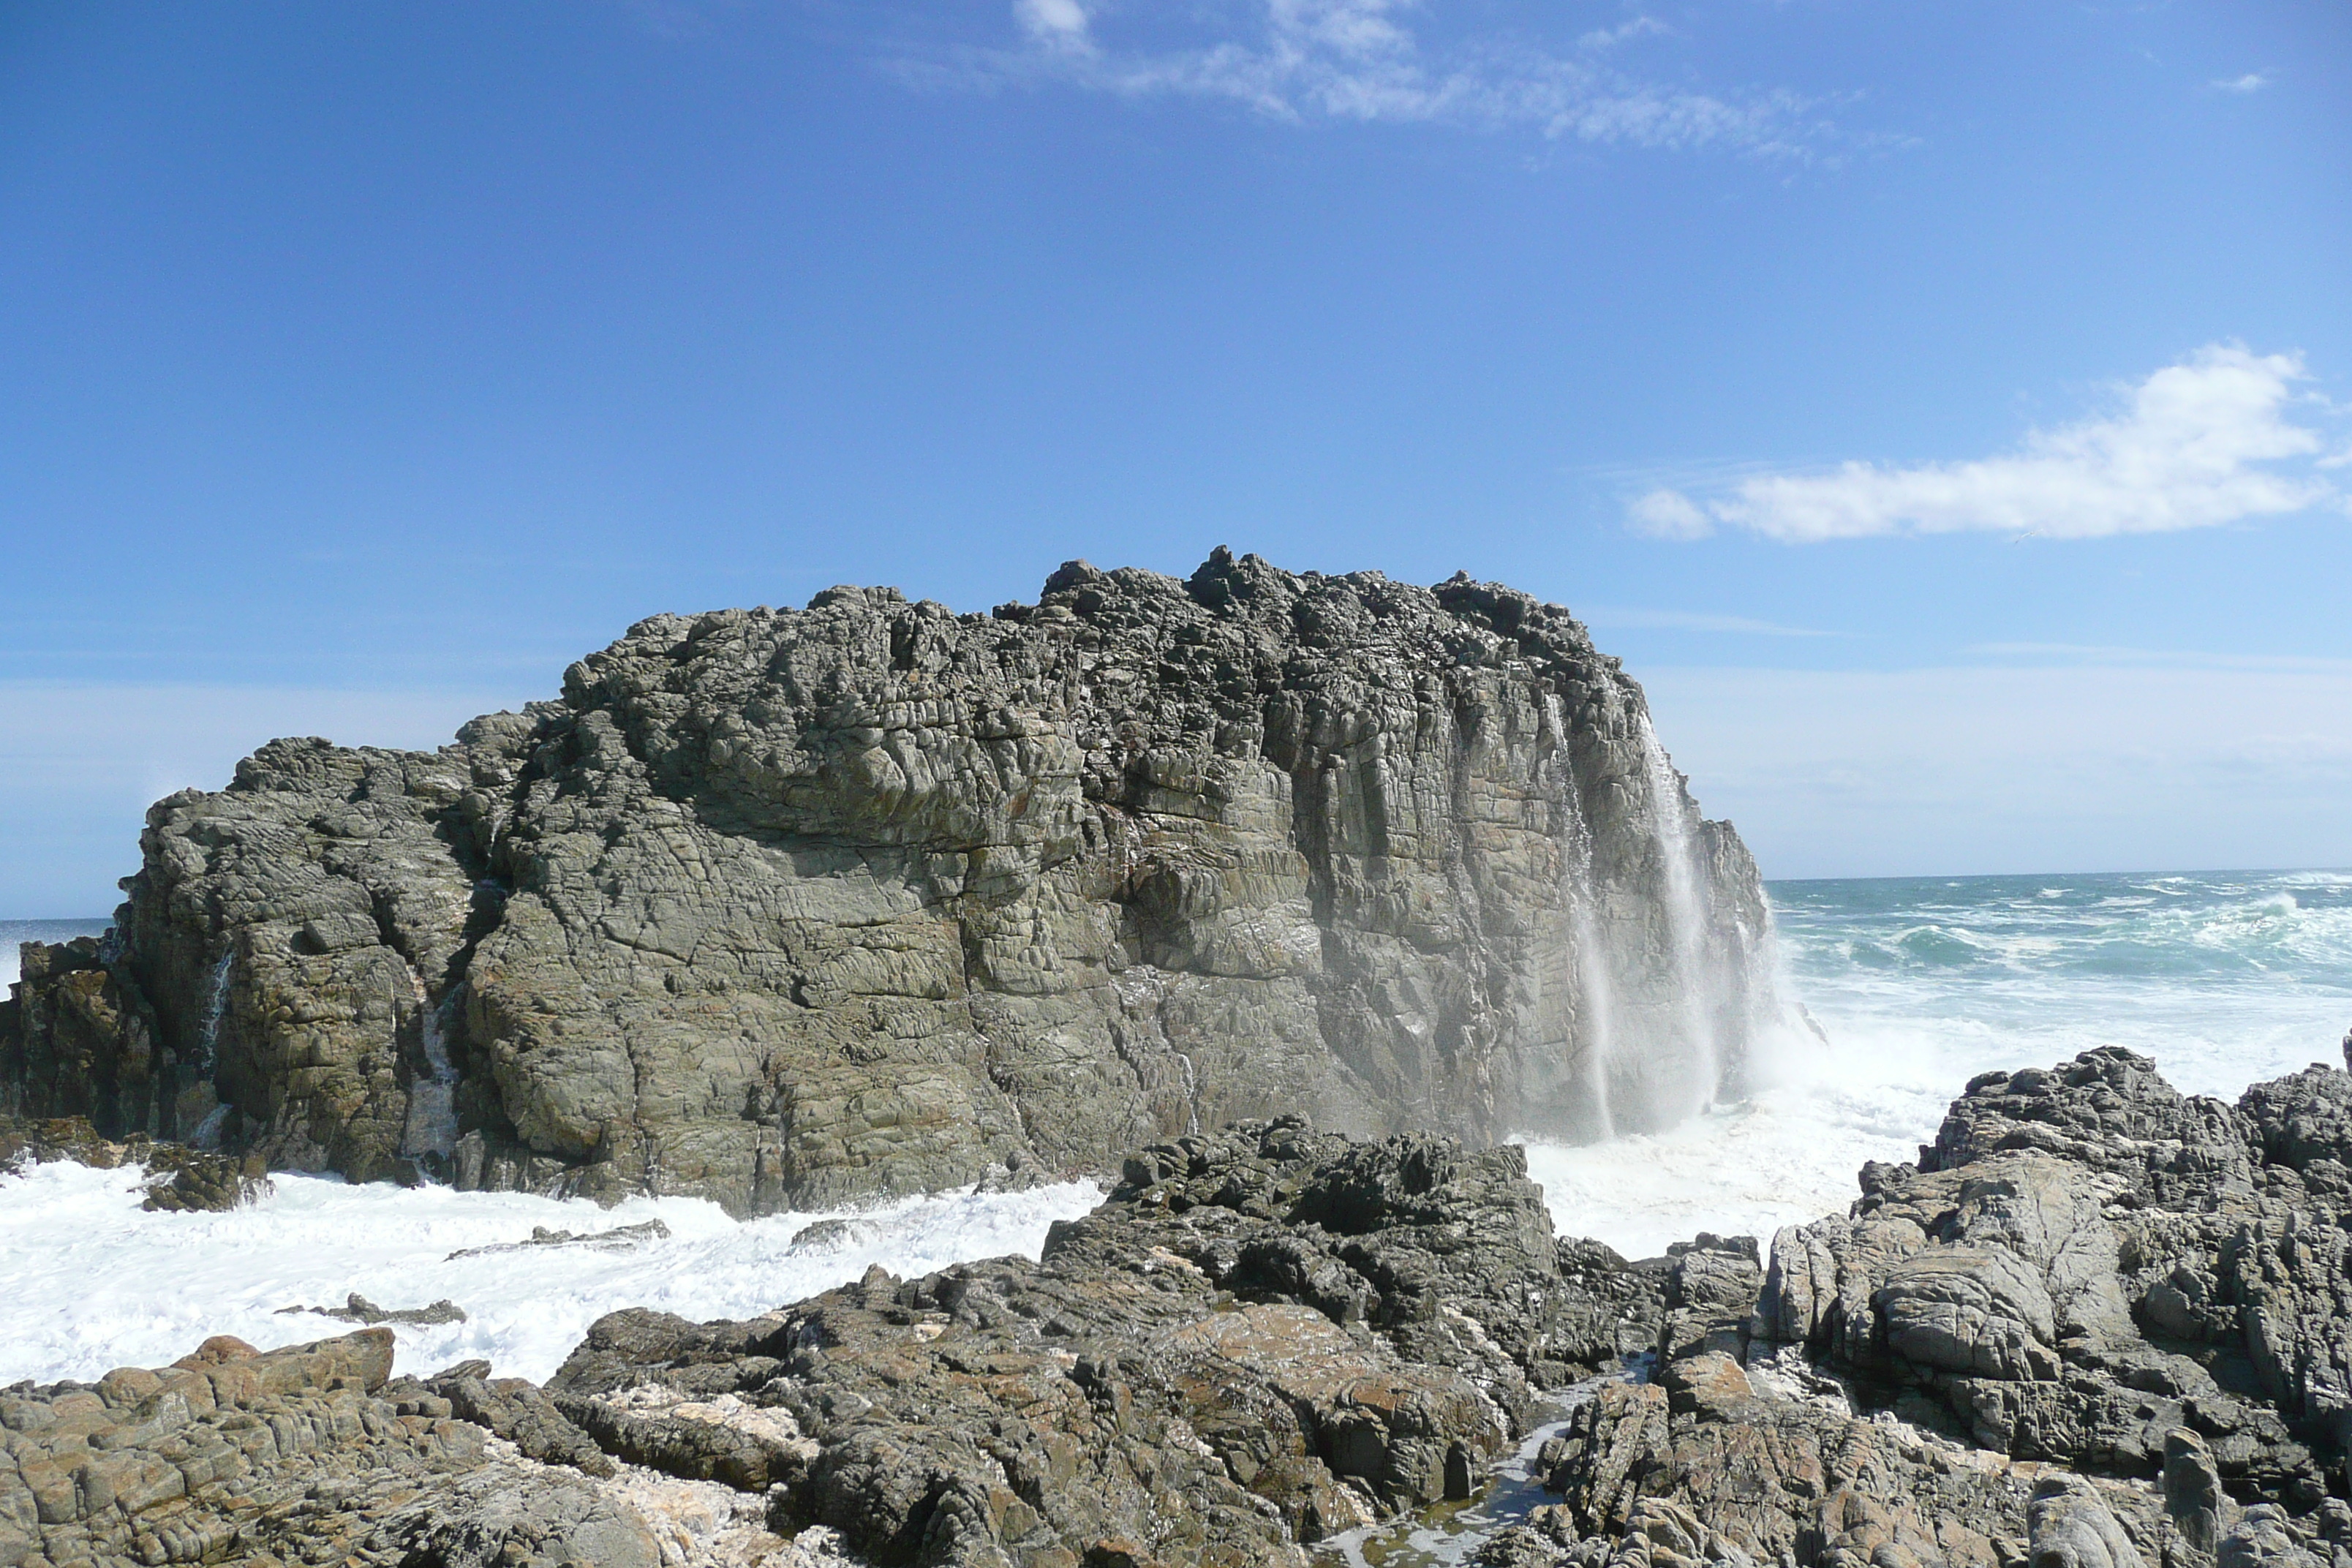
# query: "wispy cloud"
1374, 60
2253, 81
2198, 443
1611, 616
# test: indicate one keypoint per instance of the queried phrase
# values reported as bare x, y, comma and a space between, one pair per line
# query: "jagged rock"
787, 907
2086, 1260
620, 1238
180, 1179
2068, 1527
2087, 1269
226, 1453
2264, 1539
358, 1309
1263, 1337
2193, 1498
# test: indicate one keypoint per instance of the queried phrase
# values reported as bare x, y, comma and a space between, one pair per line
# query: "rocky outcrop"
2098, 1322
783, 907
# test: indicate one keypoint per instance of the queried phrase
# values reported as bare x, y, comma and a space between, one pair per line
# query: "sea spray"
1696, 979
1596, 985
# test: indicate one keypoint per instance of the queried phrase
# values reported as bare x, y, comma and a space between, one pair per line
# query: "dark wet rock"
1265, 1336
358, 1309
179, 1179
784, 907
620, 1238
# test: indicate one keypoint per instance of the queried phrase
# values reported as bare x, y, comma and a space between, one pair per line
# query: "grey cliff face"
784, 907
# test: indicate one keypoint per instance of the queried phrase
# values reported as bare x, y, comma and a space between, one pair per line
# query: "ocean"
1913, 987
1916, 985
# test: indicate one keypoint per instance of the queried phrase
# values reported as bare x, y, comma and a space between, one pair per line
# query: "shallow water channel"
1451, 1533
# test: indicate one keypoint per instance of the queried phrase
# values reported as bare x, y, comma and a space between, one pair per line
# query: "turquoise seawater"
2225, 978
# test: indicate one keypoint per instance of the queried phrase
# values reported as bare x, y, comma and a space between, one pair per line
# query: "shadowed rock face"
784, 907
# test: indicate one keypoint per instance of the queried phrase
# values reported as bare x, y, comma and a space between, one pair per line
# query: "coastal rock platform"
2097, 1324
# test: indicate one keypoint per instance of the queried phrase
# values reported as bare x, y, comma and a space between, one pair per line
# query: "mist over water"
2224, 978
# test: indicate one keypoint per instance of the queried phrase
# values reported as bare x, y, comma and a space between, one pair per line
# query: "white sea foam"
94, 1283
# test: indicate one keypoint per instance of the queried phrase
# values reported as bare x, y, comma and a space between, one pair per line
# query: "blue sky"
1940, 406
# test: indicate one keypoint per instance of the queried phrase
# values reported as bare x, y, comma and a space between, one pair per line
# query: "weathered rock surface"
1262, 1338
178, 1179
2099, 1323
781, 907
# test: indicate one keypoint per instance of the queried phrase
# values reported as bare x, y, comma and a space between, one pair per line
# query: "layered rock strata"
784, 907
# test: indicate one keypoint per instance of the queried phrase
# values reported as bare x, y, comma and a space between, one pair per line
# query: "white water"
1596, 990
1695, 983
94, 1283
432, 1125
2225, 979
216, 1010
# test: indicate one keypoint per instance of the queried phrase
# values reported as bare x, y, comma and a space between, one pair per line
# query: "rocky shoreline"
2097, 1324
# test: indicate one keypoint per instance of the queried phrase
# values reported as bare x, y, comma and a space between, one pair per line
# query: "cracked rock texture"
2099, 1324
785, 907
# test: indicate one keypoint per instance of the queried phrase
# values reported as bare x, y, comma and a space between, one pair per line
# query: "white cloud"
1669, 514
2253, 81
1058, 23
1362, 60
2196, 444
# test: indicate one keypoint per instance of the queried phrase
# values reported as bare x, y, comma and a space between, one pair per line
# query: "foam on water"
94, 1283
2225, 979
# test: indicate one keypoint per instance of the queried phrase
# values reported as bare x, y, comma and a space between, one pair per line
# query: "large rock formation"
781, 907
